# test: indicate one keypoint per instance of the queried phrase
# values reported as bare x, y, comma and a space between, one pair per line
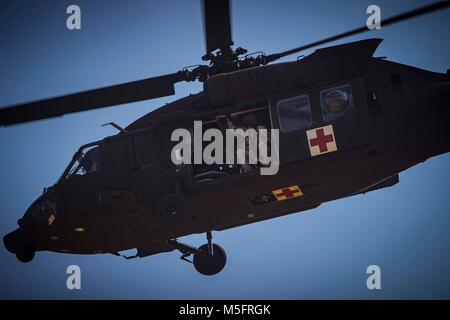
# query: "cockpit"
87, 160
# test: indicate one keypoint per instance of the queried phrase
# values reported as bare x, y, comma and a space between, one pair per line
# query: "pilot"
90, 161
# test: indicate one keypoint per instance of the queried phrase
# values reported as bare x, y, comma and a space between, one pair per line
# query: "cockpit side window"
294, 113
337, 103
86, 161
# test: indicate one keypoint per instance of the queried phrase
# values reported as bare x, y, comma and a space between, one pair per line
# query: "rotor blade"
217, 24
392, 20
98, 98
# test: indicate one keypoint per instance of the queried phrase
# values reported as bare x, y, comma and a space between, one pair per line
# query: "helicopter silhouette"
349, 122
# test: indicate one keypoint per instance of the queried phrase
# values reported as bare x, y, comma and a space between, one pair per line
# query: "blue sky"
321, 253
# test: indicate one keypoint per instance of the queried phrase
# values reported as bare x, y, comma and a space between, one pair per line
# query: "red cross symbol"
321, 140
287, 192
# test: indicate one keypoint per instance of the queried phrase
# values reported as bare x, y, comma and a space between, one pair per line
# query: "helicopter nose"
13, 240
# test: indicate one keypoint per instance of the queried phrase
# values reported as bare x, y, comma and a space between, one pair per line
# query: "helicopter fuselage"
396, 116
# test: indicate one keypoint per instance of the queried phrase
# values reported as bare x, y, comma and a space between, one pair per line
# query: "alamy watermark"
73, 281
374, 280
73, 21
242, 146
374, 20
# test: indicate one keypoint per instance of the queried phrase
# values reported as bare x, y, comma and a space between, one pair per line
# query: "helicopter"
348, 124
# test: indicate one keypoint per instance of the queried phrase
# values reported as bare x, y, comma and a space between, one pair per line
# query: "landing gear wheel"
25, 253
172, 209
208, 264
208, 260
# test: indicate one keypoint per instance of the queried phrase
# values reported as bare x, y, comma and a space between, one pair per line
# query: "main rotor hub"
227, 60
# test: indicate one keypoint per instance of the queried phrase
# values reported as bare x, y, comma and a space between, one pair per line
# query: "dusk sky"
318, 254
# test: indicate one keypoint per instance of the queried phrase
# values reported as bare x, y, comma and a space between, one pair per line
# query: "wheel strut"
187, 250
210, 245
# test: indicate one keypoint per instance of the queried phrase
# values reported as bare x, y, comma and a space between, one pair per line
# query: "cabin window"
294, 113
337, 103
86, 161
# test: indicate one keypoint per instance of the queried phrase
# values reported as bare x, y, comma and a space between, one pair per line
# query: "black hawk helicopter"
349, 123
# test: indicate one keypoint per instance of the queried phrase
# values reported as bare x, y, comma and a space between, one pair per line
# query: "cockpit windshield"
86, 161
